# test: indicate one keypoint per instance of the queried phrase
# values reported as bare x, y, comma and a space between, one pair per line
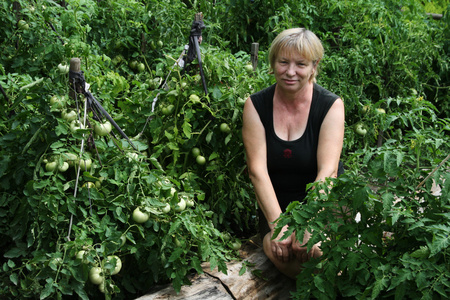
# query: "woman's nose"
291, 70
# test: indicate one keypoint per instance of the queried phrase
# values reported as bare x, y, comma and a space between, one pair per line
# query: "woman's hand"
300, 251
282, 250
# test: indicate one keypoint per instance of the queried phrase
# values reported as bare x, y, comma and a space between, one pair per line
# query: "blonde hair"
297, 39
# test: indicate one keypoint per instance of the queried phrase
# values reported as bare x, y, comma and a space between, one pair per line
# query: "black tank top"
292, 164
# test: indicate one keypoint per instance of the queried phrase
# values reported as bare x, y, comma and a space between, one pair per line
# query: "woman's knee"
267, 247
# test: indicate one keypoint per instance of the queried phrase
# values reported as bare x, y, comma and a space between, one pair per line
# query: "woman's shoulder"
323, 93
266, 93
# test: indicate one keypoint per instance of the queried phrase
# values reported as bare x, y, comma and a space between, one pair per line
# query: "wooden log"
261, 280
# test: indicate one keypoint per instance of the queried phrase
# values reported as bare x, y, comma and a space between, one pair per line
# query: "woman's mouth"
290, 81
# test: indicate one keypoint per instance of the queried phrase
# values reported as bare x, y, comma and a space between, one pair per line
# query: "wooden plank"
203, 287
261, 280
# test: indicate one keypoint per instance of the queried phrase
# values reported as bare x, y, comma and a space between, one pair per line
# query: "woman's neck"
301, 96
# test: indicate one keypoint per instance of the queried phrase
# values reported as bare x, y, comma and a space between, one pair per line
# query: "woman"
293, 134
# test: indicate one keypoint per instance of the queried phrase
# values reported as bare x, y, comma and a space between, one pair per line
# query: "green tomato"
95, 275
360, 129
141, 67
381, 111
51, 166
194, 98
89, 185
226, 236
80, 254
118, 265
102, 287
160, 44
103, 129
236, 245
225, 128
63, 68
98, 183
56, 261
195, 152
180, 206
154, 82
201, 160
75, 125
168, 110
64, 167
56, 102
183, 84
365, 109
139, 216
166, 208
69, 116
85, 164
23, 25
249, 68
133, 64
190, 203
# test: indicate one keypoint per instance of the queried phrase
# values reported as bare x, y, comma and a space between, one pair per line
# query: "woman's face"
292, 71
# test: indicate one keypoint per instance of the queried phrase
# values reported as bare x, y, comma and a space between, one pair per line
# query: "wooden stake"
254, 55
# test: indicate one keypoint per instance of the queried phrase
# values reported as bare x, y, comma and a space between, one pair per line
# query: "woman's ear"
314, 70
316, 63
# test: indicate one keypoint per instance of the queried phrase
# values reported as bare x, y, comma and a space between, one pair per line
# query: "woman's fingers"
281, 251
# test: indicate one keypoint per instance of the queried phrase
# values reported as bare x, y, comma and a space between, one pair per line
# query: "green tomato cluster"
196, 153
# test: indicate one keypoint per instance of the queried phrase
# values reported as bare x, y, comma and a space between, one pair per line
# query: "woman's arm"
331, 139
253, 134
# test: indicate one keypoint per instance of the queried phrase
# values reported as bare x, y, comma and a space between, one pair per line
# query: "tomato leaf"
187, 129
175, 254
88, 177
196, 264
209, 137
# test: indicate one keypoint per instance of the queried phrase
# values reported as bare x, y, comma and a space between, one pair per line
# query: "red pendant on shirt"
287, 153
